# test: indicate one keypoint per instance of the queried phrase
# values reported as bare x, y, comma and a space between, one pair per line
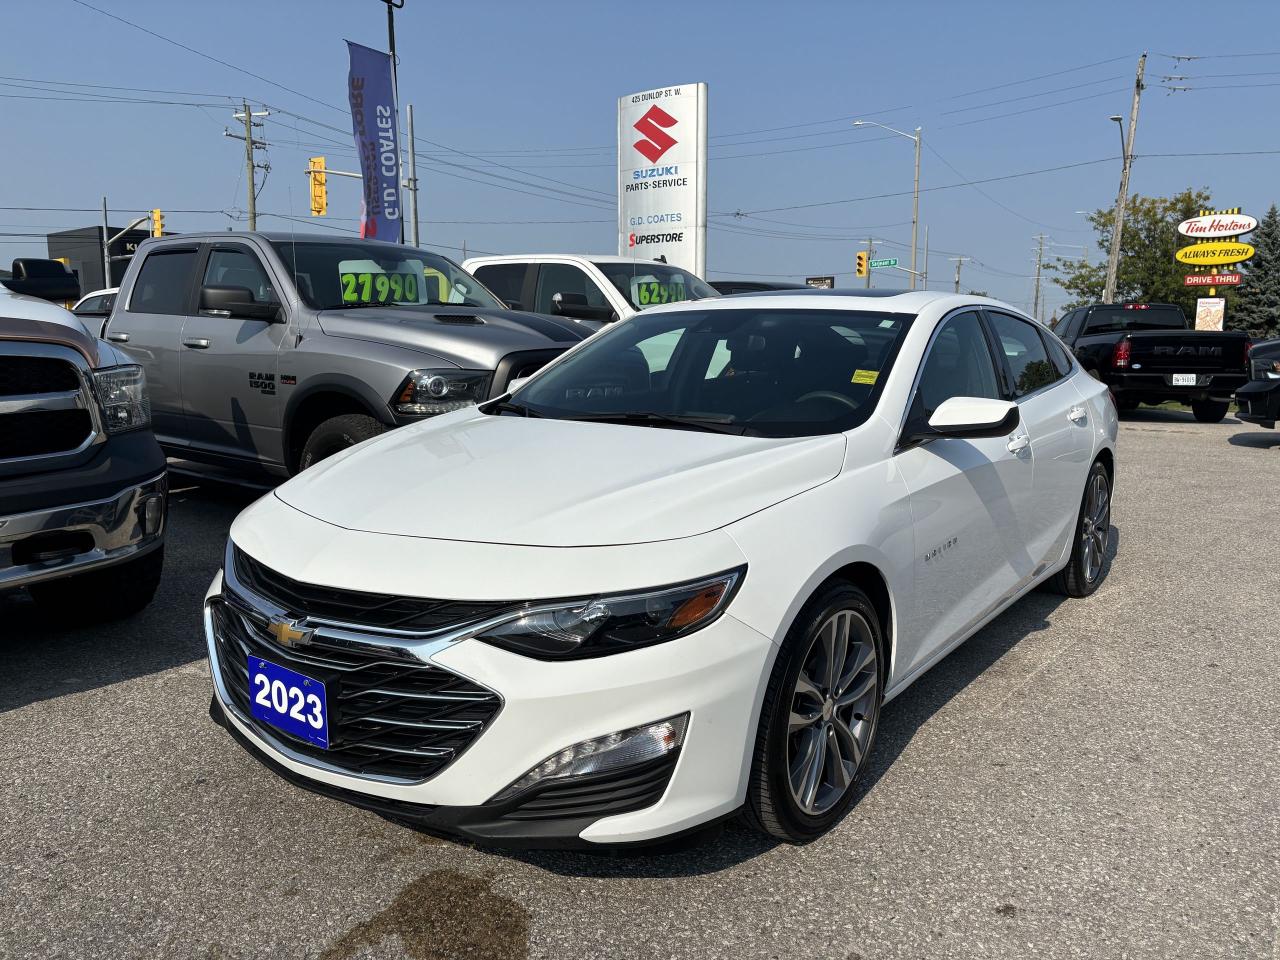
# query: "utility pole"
958, 262
392, 7
1035, 300
871, 252
1126, 146
412, 182
915, 209
106, 246
250, 145
924, 275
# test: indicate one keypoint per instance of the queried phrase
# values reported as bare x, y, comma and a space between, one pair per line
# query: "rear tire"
335, 435
1210, 411
1088, 563
1126, 404
98, 596
816, 733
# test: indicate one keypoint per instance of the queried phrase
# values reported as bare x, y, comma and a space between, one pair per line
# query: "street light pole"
1126, 147
915, 194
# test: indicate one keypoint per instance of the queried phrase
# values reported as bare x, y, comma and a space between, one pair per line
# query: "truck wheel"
335, 435
1210, 411
1126, 404
97, 596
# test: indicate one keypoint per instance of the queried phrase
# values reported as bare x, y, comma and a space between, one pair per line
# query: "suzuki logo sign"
657, 141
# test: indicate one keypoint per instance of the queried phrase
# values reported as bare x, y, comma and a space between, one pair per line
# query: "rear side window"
1058, 355
1025, 354
164, 282
504, 280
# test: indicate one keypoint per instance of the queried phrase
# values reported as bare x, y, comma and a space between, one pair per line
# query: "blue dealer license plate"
289, 701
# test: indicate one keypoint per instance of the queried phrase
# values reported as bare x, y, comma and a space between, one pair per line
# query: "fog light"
622, 749
152, 514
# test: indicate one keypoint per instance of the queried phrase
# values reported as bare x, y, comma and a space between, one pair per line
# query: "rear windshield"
1135, 317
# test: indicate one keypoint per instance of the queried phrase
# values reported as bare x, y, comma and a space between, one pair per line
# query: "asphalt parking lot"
1092, 778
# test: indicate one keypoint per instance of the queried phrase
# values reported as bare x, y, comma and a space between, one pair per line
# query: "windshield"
353, 273
645, 284
1135, 317
756, 371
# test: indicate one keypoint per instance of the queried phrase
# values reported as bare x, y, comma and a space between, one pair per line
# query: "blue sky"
533, 86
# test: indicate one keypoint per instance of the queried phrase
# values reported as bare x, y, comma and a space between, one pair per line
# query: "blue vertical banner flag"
373, 120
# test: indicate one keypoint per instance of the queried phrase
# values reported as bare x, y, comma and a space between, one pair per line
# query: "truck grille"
44, 406
388, 716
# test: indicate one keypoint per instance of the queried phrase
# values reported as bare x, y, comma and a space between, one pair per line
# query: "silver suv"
272, 351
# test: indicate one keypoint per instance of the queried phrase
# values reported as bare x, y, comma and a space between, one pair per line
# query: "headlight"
1265, 368
626, 748
122, 395
428, 392
596, 626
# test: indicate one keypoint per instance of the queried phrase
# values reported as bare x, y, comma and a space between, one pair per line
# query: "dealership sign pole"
662, 176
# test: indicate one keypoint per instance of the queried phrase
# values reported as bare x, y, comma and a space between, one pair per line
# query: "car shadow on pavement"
47, 656
1261, 439
731, 843
1163, 414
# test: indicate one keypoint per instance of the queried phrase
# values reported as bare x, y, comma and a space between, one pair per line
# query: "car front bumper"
58, 541
715, 676
1259, 402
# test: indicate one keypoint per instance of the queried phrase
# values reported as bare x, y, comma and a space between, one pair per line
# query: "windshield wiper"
510, 406
708, 424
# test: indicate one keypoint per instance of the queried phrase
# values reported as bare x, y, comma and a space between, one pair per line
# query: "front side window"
644, 284
556, 278
234, 267
164, 282
1024, 352
349, 274
958, 365
504, 280
760, 372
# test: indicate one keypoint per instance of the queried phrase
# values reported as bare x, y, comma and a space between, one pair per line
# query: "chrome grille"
46, 406
390, 714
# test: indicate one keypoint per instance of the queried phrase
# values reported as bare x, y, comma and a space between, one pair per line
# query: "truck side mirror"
229, 301
575, 306
47, 279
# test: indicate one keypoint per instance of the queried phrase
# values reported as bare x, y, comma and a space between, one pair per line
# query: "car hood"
541, 482
468, 336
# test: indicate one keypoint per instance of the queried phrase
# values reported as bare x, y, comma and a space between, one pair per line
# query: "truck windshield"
345, 274
762, 372
1135, 317
647, 284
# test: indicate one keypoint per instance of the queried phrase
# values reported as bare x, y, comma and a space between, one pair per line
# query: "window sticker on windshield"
865, 376
649, 292
368, 287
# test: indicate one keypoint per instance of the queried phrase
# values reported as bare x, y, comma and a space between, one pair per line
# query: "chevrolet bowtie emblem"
289, 634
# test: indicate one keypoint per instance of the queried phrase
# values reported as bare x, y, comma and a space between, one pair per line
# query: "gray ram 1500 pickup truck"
271, 351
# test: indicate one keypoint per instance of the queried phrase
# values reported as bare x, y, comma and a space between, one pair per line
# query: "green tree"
1147, 271
1255, 304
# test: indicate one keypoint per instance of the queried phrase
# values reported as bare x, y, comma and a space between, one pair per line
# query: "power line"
1036, 109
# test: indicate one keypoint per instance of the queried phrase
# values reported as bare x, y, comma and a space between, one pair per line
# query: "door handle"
1019, 443
197, 343
1077, 415
118, 337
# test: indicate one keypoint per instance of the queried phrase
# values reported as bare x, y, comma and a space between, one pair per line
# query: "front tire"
1085, 569
819, 717
1210, 411
335, 435
99, 596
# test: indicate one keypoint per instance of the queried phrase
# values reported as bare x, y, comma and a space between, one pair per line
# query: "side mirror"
516, 384
971, 418
514, 304
575, 306
47, 279
230, 301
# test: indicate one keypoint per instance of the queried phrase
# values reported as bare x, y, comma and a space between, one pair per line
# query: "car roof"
880, 301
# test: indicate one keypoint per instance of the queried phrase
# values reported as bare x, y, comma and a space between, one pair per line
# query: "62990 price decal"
652, 292
379, 287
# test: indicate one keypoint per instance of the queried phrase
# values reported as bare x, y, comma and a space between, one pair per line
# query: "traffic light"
157, 223
863, 265
319, 187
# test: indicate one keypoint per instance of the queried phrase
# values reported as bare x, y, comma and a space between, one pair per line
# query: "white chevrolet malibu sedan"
671, 578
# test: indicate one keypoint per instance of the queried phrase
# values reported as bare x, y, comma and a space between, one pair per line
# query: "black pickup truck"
1148, 353
1259, 399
